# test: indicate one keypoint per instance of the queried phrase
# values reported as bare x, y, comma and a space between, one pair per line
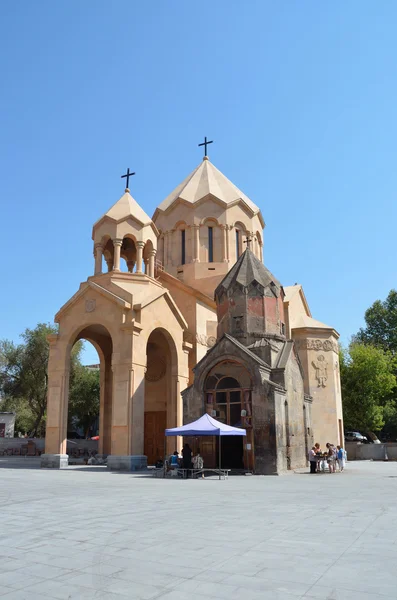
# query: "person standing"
341, 458
313, 460
187, 457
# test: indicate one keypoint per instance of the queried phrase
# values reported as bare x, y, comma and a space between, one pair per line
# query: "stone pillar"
130, 266
98, 251
117, 250
109, 263
152, 257
225, 243
196, 243
128, 418
165, 248
57, 409
140, 247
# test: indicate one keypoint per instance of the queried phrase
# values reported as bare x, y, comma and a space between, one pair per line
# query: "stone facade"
150, 312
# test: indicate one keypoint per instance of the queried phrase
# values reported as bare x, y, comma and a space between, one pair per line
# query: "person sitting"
174, 461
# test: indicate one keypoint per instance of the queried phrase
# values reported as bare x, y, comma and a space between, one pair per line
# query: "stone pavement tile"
22, 595
268, 585
175, 595
320, 592
18, 579
294, 573
134, 590
88, 580
212, 589
44, 571
101, 568
5, 590
212, 576
152, 577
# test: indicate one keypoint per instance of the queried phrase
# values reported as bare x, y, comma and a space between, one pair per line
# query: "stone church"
186, 319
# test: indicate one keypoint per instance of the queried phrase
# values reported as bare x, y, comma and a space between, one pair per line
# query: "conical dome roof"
204, 180
126, 207
248, 269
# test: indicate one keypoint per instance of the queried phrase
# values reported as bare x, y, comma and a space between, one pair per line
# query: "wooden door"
155, 424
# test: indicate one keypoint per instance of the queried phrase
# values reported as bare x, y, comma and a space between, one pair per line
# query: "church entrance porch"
160, 395
228, 399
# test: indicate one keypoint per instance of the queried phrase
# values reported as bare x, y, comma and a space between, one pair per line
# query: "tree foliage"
84, 397
368, 380
24, 382
381, 324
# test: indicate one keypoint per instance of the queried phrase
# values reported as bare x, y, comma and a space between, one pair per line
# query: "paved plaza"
85, 533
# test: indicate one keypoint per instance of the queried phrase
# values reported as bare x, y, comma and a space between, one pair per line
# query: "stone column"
57, 409
225, 244
130, 266
152, 257
196, 243
140, 247
165, 248
117, 250
98, 251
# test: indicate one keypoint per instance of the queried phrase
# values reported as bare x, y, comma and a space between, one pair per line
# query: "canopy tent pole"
220, 455
165, 456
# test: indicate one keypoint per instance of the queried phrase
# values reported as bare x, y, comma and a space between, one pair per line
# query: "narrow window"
210, 244
237, 243
183, 246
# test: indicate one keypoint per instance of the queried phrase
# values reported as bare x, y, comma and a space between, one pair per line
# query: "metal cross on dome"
205, 144
247, 241
128, 175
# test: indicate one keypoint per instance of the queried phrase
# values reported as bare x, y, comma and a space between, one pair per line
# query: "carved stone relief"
90, 305
318, 345
205, 340
156, 369
320, 366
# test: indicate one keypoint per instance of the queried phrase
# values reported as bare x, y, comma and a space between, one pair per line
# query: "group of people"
332, 456
187, 460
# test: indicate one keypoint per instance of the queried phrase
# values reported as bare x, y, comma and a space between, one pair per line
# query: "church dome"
206, 180
247, 270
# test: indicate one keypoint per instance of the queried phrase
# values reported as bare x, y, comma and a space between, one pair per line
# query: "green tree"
368, 379
24, 381
381, 324
84, 397
23, 373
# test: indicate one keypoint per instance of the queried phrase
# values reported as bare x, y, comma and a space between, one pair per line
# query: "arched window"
210, 244
238, 243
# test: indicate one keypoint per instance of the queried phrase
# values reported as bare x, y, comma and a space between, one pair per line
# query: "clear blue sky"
300, 98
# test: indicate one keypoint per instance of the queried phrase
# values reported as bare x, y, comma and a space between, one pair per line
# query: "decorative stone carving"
205, 340
318, 345
90, 305
321, 370
156, 369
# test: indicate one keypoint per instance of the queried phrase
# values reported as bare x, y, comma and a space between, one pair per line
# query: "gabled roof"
303, 321
238, 344
247, 269
126, 207
291, 291
204, 180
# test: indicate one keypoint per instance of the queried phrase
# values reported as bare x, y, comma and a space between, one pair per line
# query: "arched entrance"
160, 393
101, 339
228, 399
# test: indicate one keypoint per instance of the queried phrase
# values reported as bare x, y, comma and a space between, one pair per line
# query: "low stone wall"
73, 446
356, 451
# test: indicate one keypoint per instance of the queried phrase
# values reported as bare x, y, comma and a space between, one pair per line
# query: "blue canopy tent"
206, 425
